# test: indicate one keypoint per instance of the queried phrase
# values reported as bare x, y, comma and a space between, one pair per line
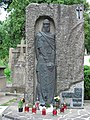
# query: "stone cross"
21, 57
79, 9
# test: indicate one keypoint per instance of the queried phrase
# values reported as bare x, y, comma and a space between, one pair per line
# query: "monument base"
12, 113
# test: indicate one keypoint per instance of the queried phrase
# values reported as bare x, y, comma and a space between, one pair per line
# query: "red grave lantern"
34, 109
54, 112
62, 109
65, 106
43, 111
26, 109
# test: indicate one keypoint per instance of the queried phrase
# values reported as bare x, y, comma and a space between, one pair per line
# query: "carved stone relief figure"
45, 69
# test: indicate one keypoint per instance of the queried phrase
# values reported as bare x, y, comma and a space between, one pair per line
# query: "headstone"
69, 50
2, 78
14, 54
17, 57
19, 69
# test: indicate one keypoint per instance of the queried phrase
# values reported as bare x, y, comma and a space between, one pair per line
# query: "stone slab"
69, 33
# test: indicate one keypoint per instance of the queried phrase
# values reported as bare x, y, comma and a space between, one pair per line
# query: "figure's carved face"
46, 25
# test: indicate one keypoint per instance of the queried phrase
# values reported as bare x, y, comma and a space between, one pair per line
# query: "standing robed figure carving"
46, 68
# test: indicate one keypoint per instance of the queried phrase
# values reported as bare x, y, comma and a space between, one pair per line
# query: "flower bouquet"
57, 101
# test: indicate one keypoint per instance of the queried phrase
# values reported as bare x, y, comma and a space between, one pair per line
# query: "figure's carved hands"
50, 66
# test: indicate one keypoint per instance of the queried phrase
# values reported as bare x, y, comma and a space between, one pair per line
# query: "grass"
9, 102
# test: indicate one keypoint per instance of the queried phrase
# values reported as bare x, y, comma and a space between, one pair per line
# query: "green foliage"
13, 29
87, 82
5, 38
20, 104
7, 73
1, 63
9, 102
47, 105
87, 32
69, 2
89, 60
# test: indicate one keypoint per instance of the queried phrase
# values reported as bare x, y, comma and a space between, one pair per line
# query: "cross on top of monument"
79, 9
22, 45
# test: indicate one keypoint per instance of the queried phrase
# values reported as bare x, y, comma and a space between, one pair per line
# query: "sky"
3, 13
88, 1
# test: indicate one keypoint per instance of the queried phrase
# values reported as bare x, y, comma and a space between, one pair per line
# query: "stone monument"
19, 69
55, 60
2, 79
17, 57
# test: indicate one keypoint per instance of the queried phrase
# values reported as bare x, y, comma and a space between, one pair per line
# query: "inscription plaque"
77, 104
78, 93
67, 95
77, 100
75, 96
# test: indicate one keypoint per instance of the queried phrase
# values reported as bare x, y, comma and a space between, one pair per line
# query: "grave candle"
37, 104
26, 109
62, 109
43, 111
65, 106
34, 109
54, 112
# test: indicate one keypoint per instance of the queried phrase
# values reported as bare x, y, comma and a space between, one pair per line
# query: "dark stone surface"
76, 97
77, 104
45, 54
78, 92
67, 95
77, 100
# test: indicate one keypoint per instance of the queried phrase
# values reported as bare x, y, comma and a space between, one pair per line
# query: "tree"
87, 32
13, 29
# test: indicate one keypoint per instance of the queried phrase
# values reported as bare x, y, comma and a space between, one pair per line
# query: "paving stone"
79, 119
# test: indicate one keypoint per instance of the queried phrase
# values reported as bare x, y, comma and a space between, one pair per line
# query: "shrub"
7, 73
1, 63
87, 82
